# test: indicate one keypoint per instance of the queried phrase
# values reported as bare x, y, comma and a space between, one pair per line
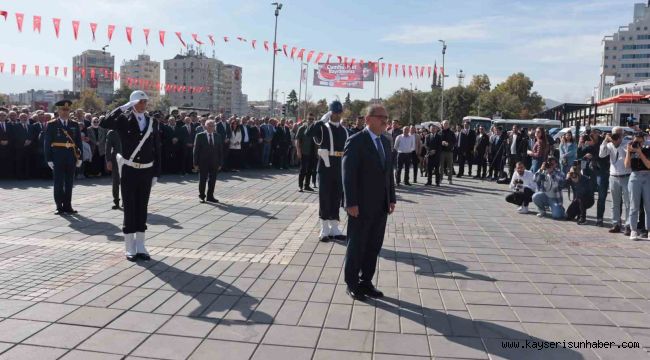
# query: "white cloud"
425, 34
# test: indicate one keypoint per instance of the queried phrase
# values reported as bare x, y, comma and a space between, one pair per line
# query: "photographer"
596, 168
583, 196
619, 176
550, 181
639, 183
523, 186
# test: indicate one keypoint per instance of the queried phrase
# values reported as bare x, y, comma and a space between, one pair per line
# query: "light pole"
304, 116
411, 105
377, 74
442, 82
278, 6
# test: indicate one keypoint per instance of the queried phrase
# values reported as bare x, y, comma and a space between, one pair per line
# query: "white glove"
50, 164
154, 181
128, 105
79, 163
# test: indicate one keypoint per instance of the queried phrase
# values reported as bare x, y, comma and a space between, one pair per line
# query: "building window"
614, 57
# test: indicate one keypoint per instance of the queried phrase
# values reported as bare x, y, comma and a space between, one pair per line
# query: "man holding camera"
619, 176
583, 195
639, 183
523, 186
550, 181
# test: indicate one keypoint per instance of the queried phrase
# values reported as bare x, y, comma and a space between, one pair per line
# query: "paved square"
463, 274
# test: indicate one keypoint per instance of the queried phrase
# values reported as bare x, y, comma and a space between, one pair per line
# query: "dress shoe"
599, 222
339, 237
71, 211
212, 200
325, 239
300, 190
582, 221
627, 230
142, 256
615, 229
407, 183
307, 188
202, 200
356, 294
131, 258
115, 207
59, 212
371, 290
428, 184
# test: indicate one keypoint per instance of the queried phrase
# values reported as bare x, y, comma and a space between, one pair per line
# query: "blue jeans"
639, 186
266, 154
536, 164
542, 201
618, 186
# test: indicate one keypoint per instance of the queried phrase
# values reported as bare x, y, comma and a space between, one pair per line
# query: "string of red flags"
103, 74
290, 52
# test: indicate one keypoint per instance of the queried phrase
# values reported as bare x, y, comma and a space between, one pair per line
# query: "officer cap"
2, 108
336, 107
138, 95
193, 113
64, 103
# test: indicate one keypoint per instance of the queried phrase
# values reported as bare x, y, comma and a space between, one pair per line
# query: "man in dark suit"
246, 142
37, 129
433, 144
185, 134
369, 197
224, 129
255, 153
22, 140
6, 151
466, 142
113, 146
480, 153
170, 163
208, 157
281, 143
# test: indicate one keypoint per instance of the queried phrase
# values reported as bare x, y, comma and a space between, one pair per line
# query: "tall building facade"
231, 99
93, 70
142, 68
194, 69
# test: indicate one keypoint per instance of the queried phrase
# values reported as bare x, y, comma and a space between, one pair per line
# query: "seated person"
523, 186
550, 181
583, 196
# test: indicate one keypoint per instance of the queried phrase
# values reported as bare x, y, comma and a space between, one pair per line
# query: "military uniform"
139, 172
63, 150
330, 141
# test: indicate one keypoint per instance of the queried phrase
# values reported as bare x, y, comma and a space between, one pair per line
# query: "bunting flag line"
309, 55
13, 69
37, 23
225, 39
284, 50
56, 71
180, 38
410, 72
161, 36
301, 54
253, 43
111, 29
47, 71
329, 56
320, 56
196, 39
266, 45
93, 29
75, 28
24, 69
146, 36
2, 67
390, 68
4, 14
383, 66
211, 39
129, 33
57, 26
37, 70
293, 51
19, 20
65, 71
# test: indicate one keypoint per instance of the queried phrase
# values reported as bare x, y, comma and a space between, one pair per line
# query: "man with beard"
139, 167
330, 138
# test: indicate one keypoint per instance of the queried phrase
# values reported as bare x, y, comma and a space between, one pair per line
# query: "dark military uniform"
62, 146
330, 179
114, 147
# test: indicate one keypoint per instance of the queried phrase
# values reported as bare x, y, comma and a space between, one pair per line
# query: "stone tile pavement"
247, 279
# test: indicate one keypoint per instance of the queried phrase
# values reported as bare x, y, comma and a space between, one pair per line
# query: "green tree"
480, 83
357, 107
120, 97
406, 106
162, 104
89, 101
520, 86
347, 103
292, 103
458, 101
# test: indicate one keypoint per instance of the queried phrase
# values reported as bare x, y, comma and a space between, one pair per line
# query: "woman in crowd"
639, 183
583, 195
234, 154
539, 152
568, 151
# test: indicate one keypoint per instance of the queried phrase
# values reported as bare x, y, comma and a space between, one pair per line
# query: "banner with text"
343, 75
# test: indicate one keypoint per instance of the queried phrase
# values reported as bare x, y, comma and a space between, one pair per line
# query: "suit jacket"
433, 142
206, 156
184, 136
19, 135
281, 137
224, 130
482, 143
466, 141
254, 134
366, 183
112, 146
54, 133
99, 141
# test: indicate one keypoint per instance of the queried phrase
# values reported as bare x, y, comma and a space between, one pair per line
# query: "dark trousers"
578, 207
512, 163
415, 161
64, 170
433, 168
306, 169
281, 157
115, 175
602, 181
496, 169
136, 188
207, 174
481, 165
22, 159
464, 157
330, 195
365, 238
403, 162
234, 159
186, 159
521, 198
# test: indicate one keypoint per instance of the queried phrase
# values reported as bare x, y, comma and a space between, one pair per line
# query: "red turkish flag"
275, 46
293, 52
396, 70
37, 70
309, 55
180, 38
24, 69
225, 39
2, 67
37, 23
13, 69
241, 39
417, 71
211, 39
383, 66
19, 20
4, 14
47, 70
284, 49
429, 71
93, 29
318, 58
196, 39
111, 29
253, 43
266, 45
442, 71
57, 26
146, 36
65, 71
328, 58
422, 71
301, 54
410, 71
75, 28
129, 34
403, 70
56, 71
161, 36
83, 73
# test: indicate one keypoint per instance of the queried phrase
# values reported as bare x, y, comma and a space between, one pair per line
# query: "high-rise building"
231, 99
626, 53
93, 70
141, 74
194, 69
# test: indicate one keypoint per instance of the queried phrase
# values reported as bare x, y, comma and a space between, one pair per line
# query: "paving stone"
389, 343
21, 352
167, 347
291, 336
89, 355
137, 321
272, 352
46, 312
346, 340
90, 316
187, 326
113, 341
61, 335
223, 350
14, 330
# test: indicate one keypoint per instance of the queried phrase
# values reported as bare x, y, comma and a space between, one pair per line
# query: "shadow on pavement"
432, 266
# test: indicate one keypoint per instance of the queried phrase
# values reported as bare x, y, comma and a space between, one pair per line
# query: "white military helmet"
138, 95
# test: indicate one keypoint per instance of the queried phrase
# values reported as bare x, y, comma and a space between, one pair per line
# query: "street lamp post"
377, 74
278, 6
442, 82
411, 105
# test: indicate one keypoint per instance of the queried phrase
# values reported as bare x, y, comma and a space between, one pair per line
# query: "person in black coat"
21, 136
433, 146
280, 144
255, 153
37, 130
466, 142
498, 144
208, 157
185, 134
170, 163
6, 150
480, 153
369, 197
113, 147
140, 169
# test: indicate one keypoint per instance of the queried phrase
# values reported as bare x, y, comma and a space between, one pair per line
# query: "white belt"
136, 165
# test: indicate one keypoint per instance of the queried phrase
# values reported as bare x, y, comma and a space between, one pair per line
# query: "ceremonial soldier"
62, 147
330, 138
138, 166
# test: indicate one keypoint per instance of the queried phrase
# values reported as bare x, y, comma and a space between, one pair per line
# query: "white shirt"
210, 139
142, 122
405, 144
528, 178
513, 146
616, 158
374, 138
245, 131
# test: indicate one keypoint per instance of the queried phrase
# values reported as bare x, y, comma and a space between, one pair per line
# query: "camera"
576, 163
615, 137
636, 145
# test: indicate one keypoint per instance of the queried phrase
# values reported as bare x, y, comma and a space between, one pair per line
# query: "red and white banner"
180, 38
75, 29
146, 36
37, 23
93, 29
19, 21
111, 29
344, 75
161, 36
129, 34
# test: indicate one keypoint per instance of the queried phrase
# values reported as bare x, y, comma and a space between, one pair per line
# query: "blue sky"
556, 43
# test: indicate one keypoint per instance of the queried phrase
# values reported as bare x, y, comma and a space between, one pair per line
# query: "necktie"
210, 139
380, 150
